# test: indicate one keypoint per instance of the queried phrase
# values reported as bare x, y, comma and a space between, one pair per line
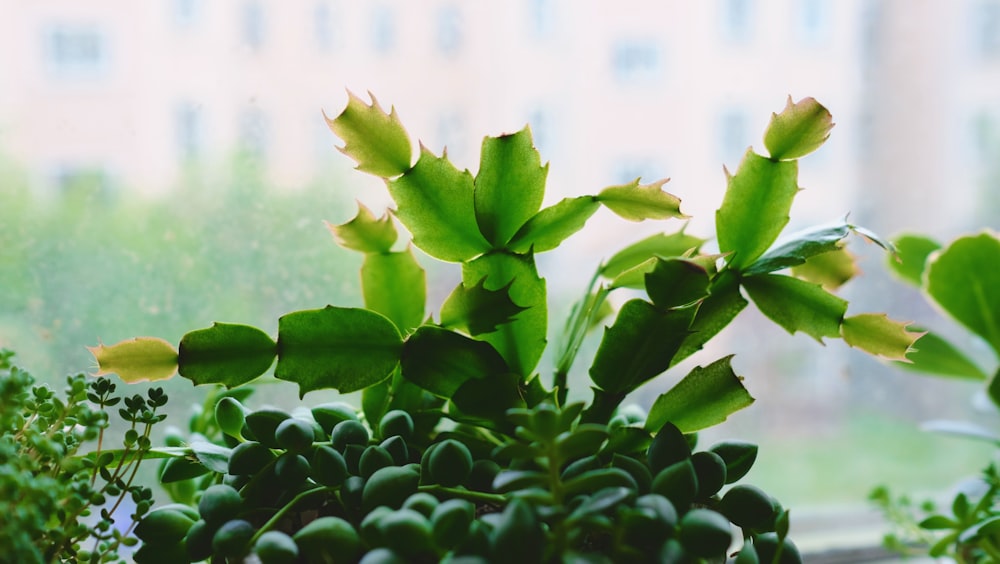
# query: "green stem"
276, 518
990, 548
576, 329
468, 495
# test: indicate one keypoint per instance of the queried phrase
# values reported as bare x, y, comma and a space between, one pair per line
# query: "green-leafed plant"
58, 504
963, 281
460, 450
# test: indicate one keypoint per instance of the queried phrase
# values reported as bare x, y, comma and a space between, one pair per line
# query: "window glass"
155, 180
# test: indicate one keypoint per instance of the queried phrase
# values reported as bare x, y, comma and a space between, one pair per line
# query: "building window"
540, 121
736, 20
190, 131
77, 51
636, 61
253, 134
323, 25
185, 13
812, 21
451, 133
449, 30
82, 181
542, 16
734, 137
985, 138
383, 30
252, 24
642, 167
986, 29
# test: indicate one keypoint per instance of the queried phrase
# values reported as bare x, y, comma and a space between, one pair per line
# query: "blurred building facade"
137, 93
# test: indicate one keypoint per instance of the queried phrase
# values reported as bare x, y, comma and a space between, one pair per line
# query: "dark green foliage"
463, 451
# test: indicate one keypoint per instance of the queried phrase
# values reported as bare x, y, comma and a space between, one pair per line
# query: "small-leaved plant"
961, 280
60, 494
461, 450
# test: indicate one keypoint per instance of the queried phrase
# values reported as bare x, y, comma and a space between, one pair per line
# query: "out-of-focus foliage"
90, 261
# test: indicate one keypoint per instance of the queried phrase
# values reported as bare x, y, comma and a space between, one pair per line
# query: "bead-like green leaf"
705, 397
965, 281
552, 225
876, 334
226, 354
522, 341
911, 257
347, 349
639, 202
755, 207
440, 361
395, 285
477, 310
434, 200
798, 130
676, 282
638, 346
510, 185
374, 139
798, 248
142, 359
365, 233
797, 305
934, 355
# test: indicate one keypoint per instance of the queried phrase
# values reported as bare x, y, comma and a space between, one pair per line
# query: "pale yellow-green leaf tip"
141, 359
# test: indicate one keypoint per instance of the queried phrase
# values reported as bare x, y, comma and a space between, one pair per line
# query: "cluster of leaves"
49, 491
959, 280
473, 368
321, 486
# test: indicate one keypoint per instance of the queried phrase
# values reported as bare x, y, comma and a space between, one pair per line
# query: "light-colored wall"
547, 61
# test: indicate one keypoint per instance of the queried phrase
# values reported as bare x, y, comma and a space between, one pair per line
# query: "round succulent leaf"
264, 422
678, 483
585, 438
739, 457
705, 533
598, 479
328, 539
749, 507
389, 486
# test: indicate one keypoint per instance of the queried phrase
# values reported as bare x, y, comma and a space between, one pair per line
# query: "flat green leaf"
937, 522
347, 349
434, 200
798, 248
395, 285
226, 354
180, 469
142, 359
635, 277
797, 305
705, 397
963, 429
365, 233
660, 245
488, 398
993, 389
639, 202
755, 207
715, 312
638, 346
522, 341
934, 355
676, 282
510, 185
911, 257
548, 228
830, 270
798, 130
440, 361
476, 310
374, 139
965, 281
212, 456
876, 334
